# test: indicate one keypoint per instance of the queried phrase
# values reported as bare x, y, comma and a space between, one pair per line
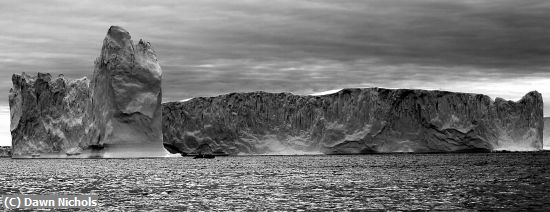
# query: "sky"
496, 47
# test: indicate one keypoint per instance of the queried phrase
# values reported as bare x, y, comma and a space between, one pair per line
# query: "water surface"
389, 181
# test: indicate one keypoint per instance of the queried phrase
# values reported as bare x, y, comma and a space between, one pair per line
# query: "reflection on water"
389, 181
142, 150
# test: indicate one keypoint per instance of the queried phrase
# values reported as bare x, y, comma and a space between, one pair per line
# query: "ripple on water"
392, 181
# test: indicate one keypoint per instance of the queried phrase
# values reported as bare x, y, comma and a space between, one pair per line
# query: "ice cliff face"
127, 91
48, 114
120, 109
353, 121
5, 151
546, 133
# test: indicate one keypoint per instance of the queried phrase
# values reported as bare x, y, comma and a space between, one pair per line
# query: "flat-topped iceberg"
354, 121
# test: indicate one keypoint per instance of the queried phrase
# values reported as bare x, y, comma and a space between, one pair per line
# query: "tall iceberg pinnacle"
127, 91
117, 114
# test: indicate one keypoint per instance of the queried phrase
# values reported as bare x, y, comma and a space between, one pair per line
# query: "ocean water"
495, 181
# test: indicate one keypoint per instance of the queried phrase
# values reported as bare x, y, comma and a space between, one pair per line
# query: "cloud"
213, 47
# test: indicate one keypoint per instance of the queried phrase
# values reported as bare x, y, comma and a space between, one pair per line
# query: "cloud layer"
498, 47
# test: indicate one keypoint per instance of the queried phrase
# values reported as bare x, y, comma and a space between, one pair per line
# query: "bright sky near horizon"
5, 135
213, 47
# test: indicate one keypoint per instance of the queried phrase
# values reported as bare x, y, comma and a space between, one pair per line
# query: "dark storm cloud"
214, 47
498, 34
